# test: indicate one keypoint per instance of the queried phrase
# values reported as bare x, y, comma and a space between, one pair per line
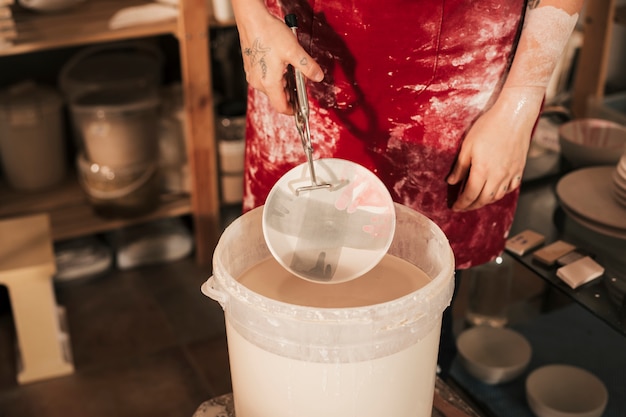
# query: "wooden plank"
81, 220
70, 213
66, 194
201, 147
593, 60
84, 24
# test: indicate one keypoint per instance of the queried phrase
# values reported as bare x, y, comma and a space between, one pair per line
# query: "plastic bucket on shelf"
231, 153
230, 133
32, 137
117, 128
292, 359
119, 192
126, 65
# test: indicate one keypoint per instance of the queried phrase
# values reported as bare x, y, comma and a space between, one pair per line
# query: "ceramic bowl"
565, 391
493, 355
588, 142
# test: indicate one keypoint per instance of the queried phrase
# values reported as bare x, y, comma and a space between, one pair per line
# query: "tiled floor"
146, 342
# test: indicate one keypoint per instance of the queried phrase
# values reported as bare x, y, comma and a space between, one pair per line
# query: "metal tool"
300, 101
327, 220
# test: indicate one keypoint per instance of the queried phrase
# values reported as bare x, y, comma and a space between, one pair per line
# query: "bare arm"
493, 154
268, 46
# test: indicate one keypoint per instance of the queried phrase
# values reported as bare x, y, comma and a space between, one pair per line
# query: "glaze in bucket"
365, 361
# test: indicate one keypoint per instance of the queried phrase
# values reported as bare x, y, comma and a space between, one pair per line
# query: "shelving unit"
87, 23
71, 215
84, 24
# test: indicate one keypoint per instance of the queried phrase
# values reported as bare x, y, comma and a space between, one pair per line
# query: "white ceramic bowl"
588, 142
565, 391
493, 355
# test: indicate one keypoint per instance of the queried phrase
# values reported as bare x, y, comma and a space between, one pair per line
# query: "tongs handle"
301, 106
300, 102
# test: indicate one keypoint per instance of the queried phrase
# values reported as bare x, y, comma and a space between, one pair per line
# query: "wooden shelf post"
590, 78
193, 36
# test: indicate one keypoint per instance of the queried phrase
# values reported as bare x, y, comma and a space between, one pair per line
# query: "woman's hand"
268, 46
493, 154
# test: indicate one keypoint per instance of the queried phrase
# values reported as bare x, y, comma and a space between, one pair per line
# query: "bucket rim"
437, 291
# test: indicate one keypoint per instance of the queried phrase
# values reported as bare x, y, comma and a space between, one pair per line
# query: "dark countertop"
539, 210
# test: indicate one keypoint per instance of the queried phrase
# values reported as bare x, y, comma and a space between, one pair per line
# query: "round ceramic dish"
565, 391
587, 192
493, 355
586, 142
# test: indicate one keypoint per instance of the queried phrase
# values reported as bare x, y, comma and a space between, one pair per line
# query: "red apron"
404, 80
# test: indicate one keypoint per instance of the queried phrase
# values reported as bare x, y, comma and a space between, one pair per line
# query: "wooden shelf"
72, 216
86, 23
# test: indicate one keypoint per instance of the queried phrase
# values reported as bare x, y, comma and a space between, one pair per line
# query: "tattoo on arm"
533, 4
256, 54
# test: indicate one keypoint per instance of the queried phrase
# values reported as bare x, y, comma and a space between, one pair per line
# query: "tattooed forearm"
256, 54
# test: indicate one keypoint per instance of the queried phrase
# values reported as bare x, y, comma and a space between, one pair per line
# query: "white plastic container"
231, 188
173, 162
119, 192
231, 156
130, 65
223, 11
231, 143
118, 128
290, 359
32, 137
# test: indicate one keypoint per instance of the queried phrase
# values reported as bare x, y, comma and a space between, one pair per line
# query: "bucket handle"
208, 289
109, 195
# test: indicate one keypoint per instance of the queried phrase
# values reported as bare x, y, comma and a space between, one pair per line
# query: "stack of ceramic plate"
586, 195
619, 182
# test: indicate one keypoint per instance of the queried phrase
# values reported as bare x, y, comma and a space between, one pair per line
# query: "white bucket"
293, 360
119, 192
127, 65
32, 137
118, 128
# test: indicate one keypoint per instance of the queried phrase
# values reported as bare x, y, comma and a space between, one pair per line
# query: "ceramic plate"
595, 227
587, 194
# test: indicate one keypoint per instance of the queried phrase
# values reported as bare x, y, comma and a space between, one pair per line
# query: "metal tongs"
299, 99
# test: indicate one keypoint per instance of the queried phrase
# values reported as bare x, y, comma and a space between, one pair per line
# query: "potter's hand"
493, 154
268, 46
